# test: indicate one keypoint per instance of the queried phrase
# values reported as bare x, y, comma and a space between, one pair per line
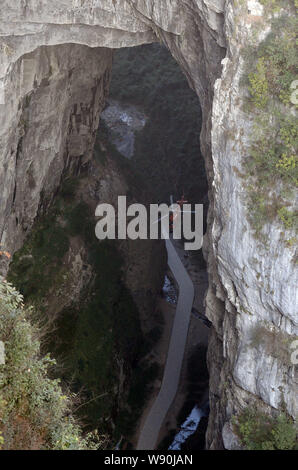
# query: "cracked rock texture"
55, 62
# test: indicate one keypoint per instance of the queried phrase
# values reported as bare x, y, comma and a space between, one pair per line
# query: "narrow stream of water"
188, 428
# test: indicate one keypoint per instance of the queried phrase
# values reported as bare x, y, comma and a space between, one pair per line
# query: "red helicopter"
174, 214
182, 201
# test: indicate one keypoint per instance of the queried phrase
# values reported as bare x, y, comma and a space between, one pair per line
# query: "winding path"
149, 434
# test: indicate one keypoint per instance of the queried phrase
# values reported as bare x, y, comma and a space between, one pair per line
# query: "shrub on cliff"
259, 431
272, 165
34, 412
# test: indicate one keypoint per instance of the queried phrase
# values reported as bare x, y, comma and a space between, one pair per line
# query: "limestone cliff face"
48, 126
53, 89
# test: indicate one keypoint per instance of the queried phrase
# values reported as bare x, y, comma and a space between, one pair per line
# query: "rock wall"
53, 98
53, 88
252, 287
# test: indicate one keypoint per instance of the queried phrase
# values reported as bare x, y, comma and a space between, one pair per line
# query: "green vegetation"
34, 412
272, 167
289, 219
275, 6
48, 244
88, 339
167, 151
259, 431
83, 340
258, 84
274, 63
97, 337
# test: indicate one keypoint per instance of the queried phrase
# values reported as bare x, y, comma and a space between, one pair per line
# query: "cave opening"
147, 147
153, 119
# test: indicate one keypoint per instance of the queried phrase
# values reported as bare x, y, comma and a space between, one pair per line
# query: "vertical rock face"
252, 287
53, 87
53, 98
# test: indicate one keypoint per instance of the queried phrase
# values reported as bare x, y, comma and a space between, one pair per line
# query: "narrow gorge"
150, 99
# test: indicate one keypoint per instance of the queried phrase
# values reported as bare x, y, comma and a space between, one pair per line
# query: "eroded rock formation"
55, 60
